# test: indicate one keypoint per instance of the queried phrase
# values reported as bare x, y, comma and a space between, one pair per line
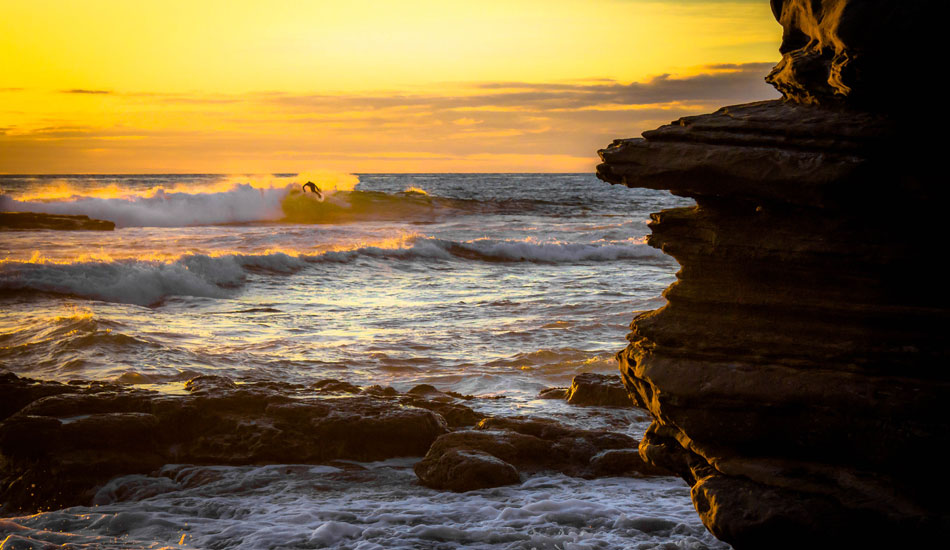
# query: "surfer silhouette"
312, 187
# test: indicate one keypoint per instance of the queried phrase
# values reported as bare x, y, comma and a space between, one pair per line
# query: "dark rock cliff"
797, 376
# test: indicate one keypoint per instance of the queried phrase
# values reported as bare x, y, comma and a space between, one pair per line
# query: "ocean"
493, 285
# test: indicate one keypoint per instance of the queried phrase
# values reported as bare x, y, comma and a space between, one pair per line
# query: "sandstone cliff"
796, 375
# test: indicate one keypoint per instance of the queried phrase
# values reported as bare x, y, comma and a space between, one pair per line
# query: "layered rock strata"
795, 375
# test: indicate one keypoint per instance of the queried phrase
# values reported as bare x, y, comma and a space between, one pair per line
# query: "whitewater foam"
376, 505
236, 199
149, 281
240, 204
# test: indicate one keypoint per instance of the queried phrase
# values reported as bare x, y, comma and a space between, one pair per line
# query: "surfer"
312, 187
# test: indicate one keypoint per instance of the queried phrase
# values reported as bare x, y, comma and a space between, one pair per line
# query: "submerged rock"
67, 440
795, 375
34, 220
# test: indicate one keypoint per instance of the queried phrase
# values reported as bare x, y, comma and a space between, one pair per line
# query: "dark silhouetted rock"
855, 51
33, 220
796, 375
598, 390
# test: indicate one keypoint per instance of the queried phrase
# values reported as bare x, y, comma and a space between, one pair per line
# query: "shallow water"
492, 285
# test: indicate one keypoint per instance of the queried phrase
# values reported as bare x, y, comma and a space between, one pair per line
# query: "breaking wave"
273, 199
160, 208
149, 281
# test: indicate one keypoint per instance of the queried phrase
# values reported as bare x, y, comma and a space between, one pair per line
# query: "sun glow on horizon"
104, 86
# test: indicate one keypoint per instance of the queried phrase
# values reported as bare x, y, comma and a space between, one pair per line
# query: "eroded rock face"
796, 376
868, 53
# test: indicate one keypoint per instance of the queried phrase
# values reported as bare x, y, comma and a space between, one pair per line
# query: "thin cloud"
498, 121
85, 91
726, 83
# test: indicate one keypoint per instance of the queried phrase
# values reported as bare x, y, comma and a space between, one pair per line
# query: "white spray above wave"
148, 281
227, 201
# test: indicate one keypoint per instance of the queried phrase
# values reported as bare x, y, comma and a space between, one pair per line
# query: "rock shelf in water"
797, 374
60, 443
32, 220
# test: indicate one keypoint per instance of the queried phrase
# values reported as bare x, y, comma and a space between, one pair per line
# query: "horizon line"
4, 175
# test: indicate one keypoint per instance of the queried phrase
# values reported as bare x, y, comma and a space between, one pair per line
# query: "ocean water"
484, 284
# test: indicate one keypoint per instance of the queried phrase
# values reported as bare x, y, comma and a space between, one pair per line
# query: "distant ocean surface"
484, 284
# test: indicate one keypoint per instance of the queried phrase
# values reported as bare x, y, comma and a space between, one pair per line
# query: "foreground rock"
796, 376
527, 445
33, 220
60, 442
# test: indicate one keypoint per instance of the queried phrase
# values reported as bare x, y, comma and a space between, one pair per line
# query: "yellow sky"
104, 86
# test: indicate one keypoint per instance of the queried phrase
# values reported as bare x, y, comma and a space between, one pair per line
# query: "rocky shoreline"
60, 443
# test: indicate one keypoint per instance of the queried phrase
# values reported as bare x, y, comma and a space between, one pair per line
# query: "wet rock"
529, 445
623, 462
381, 391
553, 393
433, 393
466, 470
16, 393
456, 415
335, 386
59, 448
591, 389
33, 220
423, 389
447, 404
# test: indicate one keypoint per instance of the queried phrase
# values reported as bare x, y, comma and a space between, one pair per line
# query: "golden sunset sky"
248, 86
